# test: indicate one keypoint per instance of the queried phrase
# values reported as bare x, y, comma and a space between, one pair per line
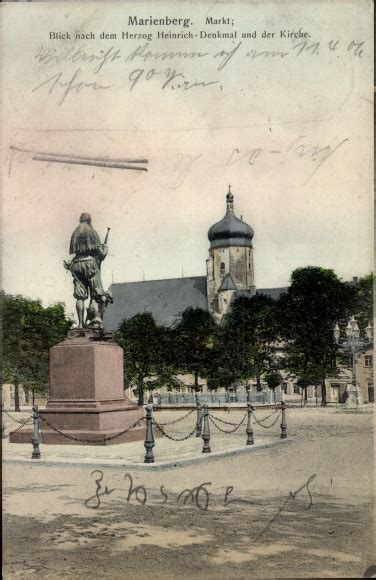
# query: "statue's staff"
104, 243
106, 238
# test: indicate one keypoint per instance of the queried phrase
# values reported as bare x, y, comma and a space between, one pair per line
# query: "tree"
243, 344
146, 349
254, 322
29, 331
304, 381
193, 339
315, 301
274, 380
363, 309
224, 367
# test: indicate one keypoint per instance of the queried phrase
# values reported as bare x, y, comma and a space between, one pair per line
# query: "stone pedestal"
355, 398
86, 404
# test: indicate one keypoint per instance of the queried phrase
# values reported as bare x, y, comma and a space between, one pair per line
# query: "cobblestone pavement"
299, 510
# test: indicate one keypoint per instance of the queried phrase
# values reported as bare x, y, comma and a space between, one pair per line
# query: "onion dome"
230, 231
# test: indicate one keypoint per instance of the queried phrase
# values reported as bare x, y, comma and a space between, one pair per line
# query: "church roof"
230, 231
164, 299
227, 283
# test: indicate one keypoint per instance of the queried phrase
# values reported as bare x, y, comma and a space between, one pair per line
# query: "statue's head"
85, 217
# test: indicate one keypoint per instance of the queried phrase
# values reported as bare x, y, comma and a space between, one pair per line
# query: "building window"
296, 388
284, 387
222, 273
368, 360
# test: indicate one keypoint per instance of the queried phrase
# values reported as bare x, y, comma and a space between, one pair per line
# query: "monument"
86, 403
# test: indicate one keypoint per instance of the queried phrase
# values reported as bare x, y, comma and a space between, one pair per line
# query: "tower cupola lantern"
230, 253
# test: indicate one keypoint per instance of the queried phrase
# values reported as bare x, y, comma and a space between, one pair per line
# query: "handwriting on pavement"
199, 496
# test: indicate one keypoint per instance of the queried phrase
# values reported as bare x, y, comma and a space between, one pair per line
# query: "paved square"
304, 509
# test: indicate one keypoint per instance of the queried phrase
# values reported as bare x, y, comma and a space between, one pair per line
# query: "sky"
286, 121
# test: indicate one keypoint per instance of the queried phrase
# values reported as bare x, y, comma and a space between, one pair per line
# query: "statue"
86, 271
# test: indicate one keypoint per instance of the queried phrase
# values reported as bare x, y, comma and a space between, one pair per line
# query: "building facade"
229, 267
229, 271
365, 376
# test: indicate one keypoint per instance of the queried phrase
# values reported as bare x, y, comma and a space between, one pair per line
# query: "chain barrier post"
199, 416
283, 423
35, 438
249, 430
206, 430
149, 437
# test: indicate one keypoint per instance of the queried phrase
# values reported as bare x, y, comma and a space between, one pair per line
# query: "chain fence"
223, 421
267, 416
267, 426
22, 422
91, 441
179, 419
27, 422
200, 429
213, 421
158, 426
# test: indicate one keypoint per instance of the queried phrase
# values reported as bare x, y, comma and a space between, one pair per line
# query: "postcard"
167, 165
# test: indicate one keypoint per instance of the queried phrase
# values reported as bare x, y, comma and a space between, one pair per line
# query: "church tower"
230, 262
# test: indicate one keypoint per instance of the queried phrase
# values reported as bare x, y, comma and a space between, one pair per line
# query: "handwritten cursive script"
198, 496
292, 495
64, 88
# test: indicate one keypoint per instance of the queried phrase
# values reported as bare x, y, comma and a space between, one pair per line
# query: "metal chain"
16, 420
267, 416
223, 430
177, 420
267, 426
170, 436
28, 421
90, 440
222, 421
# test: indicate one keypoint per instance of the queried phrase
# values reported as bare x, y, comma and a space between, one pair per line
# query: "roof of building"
165, 299
227, 283
230, 231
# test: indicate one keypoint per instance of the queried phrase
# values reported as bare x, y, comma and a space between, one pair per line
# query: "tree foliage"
193, 339
29, 331
315, 301
147, 353
244, 344
363, 309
